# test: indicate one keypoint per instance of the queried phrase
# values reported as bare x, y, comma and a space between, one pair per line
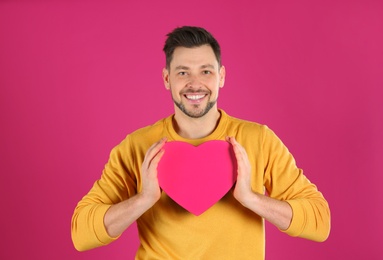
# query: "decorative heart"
196, 177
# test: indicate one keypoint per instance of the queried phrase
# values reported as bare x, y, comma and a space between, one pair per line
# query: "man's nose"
194, 82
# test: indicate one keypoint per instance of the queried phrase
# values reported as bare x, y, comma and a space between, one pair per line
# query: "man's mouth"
194, 96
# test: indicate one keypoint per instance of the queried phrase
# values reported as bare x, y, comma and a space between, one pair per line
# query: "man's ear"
222, 75
165, 77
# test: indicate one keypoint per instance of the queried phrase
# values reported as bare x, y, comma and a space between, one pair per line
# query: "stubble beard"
196, 113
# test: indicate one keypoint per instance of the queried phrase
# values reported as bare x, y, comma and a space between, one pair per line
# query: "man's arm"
275, 211
107, 210
304, 212
120, 216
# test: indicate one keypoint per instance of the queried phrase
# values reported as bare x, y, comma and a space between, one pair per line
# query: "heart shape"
196, 177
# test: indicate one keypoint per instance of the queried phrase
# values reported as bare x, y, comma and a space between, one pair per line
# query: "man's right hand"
121, 215
150, 189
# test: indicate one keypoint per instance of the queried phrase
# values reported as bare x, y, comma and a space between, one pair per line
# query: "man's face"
194, 79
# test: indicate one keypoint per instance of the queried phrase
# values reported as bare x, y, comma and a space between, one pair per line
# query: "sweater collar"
217, 134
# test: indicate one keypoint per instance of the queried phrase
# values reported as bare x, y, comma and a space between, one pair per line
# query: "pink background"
77, 76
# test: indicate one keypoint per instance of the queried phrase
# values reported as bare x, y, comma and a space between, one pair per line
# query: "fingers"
240, 154
231, 139
156, 159
156, 147
154, 153
238, 149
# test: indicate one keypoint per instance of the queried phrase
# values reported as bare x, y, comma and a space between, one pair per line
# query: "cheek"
213, 81
215, 84
175, 82
174, 91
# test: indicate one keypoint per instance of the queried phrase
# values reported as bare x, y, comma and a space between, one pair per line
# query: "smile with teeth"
194, 96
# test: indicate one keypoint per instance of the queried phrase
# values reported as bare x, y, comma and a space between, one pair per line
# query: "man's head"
190, 37
193, 72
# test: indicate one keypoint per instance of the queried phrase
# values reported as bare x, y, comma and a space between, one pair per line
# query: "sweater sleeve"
285, 181
115, 185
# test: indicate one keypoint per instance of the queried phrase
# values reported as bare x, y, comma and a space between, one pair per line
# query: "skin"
194, 70
194, 79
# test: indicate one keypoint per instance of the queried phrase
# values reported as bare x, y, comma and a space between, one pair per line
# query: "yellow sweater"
227, 230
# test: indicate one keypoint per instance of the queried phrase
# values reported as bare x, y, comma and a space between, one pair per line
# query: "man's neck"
195, 128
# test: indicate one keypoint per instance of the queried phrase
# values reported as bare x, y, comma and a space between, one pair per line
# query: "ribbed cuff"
99, 227
298, 220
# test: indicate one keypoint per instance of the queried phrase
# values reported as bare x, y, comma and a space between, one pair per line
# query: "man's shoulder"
158, 126
251, 130
147, 135
245, 123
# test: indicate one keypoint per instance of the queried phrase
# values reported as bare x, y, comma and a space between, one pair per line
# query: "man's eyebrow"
181, 67
207, 66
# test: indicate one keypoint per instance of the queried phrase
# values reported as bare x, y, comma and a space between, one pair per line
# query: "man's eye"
182, 73
206, 72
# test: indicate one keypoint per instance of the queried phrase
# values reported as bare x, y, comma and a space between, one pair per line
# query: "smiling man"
233, 228
194, 78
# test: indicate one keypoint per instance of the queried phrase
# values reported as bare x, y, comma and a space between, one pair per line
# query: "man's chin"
196, 111
194, 114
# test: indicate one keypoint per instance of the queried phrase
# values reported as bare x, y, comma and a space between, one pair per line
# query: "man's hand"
275, 211
121, 215
150, 188
242, 189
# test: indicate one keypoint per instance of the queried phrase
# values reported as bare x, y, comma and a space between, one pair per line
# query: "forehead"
195, 56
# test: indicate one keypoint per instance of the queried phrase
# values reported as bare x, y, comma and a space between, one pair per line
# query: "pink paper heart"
196, 177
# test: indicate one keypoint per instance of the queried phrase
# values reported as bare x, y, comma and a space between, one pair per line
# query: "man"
233, 228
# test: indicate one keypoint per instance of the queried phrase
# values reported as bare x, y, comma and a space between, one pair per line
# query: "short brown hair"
189, 37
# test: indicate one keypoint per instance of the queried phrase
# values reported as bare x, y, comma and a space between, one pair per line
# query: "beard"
197, 112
